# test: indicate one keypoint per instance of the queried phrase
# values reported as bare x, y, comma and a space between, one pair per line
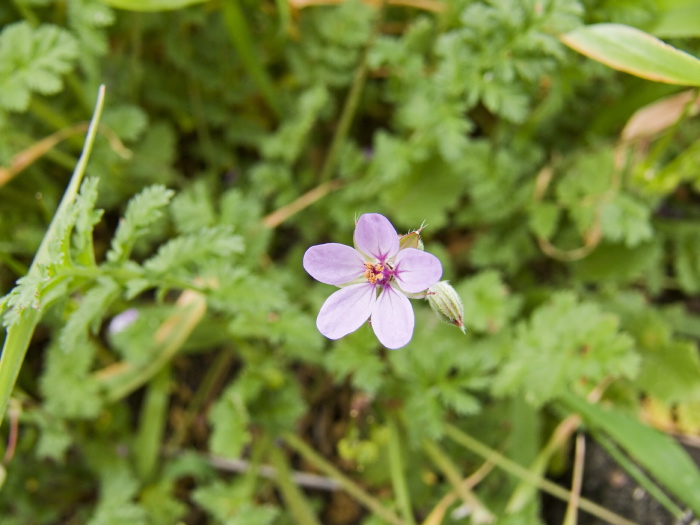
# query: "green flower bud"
411, 240
447, 304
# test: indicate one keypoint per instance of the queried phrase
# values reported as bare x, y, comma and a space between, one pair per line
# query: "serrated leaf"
142, 211
33, 60
355, 357
631, 50
230, 504
86, 217
128, 122
162, 504
488, 304
91, 309
564, 342
287, 142
24, 295
624, 219
88, 19
218, 241
229, 419
193, 209
118, 486
68, 389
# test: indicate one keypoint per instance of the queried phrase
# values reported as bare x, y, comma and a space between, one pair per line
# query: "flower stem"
398, 475
352, 488
154, 413
19, 335
519, 471
296, 502
448, 468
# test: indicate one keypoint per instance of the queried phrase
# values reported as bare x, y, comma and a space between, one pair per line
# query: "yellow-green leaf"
631, 50
151, 5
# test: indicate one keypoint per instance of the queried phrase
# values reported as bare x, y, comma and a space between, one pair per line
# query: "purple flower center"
379, 273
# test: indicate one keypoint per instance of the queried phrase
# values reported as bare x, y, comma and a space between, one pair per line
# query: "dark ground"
607, 484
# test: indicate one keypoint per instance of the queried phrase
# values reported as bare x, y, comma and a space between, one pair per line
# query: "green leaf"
151, 5
193, 209
617, 263
86, 217
544, 218
128, 122
218, 241
229, 418
33, 60
90, 311
676, 18
118, 487
163, 505
24, 295
19, 334
355, 357
565, 343
488, 304
625, 219
68, 389
142, 211
287, 143
628, 49
670, 372
88, 19
658, 453
230, 504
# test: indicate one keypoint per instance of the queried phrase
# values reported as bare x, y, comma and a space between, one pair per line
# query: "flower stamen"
377, 273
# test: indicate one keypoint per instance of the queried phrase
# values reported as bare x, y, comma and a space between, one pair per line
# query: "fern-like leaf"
218, 241
89, 312
24, 295
143, 210
33, 60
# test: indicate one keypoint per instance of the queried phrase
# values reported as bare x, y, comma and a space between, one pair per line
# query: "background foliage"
176, 359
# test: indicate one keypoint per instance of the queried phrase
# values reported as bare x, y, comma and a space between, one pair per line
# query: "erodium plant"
169, 354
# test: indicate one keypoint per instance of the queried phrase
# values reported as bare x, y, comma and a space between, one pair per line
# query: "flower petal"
416, 270
333, 263
392, 319
346, 310
375, 236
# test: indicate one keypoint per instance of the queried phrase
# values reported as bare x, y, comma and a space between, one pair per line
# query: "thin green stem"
398, 474
20, 334
453, 475
351, 104
123, 275
349, 486
515, 469
296, 502
152, 421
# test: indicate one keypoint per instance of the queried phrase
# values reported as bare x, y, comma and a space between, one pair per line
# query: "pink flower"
375, 279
